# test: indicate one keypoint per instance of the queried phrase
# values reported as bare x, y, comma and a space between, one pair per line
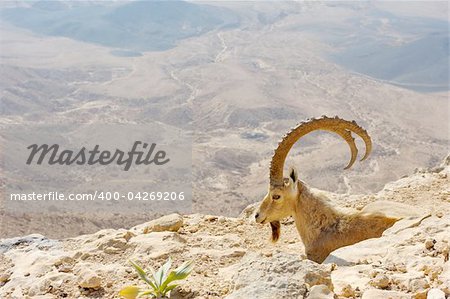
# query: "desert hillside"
235, 259
233, 77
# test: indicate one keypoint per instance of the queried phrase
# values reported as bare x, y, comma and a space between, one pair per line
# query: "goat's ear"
293, 174
276, 229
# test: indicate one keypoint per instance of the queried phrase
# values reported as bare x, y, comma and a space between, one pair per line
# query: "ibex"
321, 227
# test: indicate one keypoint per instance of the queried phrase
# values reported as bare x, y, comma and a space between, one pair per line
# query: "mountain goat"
322, 228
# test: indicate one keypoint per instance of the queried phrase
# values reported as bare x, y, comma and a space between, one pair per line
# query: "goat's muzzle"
259, 219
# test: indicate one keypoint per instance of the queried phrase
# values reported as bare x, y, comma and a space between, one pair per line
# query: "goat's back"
392, 209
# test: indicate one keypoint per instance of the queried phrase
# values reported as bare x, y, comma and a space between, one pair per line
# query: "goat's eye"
276, 197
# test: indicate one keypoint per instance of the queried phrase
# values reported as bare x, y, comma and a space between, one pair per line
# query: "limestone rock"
378, 294
112, 245
418, 285
249, 211
380, 281
89, 279
401, 261
156, 245
319, 277
280, 276
320, 291
172, 222
5, 269
348, 292
435, 294
31, 241
429, 244
4, 277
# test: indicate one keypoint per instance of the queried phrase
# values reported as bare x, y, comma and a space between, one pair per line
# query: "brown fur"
276, 229
321, 227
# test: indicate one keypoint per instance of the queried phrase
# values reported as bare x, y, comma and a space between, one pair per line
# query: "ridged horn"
342, 127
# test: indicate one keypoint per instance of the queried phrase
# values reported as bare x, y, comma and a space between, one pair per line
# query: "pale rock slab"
379, 294
435, 294
89, 279
171, 222
320, 292
280, 276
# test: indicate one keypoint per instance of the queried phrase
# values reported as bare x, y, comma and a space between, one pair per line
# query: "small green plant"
158, 281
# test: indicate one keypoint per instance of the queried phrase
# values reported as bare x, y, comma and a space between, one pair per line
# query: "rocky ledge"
235, 259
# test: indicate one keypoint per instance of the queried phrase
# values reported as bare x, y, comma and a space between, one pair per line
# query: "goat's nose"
256, 215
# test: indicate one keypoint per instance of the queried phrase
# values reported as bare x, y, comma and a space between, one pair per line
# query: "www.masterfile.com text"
59, 196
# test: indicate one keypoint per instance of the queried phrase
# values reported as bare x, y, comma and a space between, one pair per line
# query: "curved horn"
339, 126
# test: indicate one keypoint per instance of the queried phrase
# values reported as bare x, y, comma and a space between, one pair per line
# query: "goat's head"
283, 193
